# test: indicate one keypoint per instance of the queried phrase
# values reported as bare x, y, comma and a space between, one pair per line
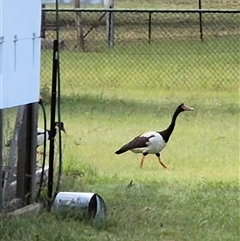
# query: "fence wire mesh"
150, 49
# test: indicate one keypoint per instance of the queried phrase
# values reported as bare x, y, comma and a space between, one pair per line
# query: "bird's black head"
60, 125
184, 107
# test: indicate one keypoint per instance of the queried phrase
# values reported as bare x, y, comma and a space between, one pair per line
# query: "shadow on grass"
76, 104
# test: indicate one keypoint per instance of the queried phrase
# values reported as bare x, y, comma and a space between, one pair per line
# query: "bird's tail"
121, 150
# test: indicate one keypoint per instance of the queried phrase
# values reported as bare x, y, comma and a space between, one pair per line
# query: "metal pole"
200, 20
31, 144
111, 26
43, 26
21, 158
1, 158
110, 23
149, 27
53, 114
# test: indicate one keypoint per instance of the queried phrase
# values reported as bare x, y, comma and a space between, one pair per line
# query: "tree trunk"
78, 24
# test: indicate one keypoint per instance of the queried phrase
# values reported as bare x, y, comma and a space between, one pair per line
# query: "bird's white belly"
155, 144
40, 138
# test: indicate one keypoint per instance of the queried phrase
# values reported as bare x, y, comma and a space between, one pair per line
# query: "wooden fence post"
78, 24
26, 166
43, 25
21, 158
31, 145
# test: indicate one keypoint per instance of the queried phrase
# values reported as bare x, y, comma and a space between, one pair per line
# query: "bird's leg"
160, 161
142, 159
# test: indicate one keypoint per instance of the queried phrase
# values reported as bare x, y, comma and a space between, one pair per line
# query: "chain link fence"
164, 49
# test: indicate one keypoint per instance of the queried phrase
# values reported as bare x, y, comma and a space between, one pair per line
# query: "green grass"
111, 96
151, 211
169, 65
197, 200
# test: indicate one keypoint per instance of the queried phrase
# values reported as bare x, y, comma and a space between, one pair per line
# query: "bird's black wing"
137, 142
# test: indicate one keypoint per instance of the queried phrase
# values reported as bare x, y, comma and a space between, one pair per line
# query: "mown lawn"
197, 200
104, 106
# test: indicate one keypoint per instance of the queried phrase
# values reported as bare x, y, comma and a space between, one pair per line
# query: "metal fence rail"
126, 48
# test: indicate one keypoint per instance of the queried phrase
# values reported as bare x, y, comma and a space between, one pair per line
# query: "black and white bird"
153, 142
49, 134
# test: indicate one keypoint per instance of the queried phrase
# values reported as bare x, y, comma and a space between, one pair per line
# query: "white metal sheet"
20, 22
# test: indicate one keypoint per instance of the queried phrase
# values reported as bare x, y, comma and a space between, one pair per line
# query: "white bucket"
80, 205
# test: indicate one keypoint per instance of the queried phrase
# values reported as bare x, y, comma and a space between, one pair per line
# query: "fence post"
43, 25
26, 167
110, 23
78, 24
31, 145
21, 158
200, 19
149, 27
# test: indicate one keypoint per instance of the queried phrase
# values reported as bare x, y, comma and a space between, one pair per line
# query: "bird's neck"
167, 132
